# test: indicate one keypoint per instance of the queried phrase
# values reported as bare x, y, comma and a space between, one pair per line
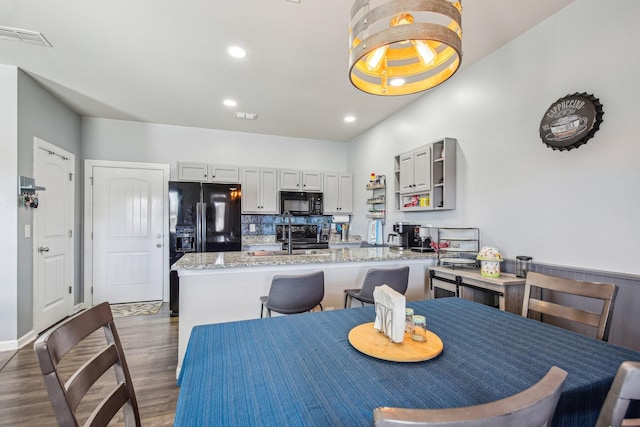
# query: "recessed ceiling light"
349, 119
396, 82
230, 103
237, 52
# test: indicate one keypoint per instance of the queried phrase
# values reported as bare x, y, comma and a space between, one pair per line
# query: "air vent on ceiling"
246, 116
294, 1
24, 36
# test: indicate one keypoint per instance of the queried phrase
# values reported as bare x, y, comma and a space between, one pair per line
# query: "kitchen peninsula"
221, 287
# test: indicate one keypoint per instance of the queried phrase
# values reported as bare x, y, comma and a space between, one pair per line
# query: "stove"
303, 236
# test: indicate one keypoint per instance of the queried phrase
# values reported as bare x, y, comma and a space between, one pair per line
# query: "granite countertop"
216, 260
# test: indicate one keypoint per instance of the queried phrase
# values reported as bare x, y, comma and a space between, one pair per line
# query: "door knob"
43, 249
158, 245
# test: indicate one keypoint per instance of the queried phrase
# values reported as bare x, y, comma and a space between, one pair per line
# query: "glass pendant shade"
418, 42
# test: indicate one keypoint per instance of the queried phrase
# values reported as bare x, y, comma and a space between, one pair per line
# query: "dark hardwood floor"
151, 347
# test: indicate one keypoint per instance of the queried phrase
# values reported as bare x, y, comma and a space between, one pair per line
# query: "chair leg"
321, 309
346, 298
261, 310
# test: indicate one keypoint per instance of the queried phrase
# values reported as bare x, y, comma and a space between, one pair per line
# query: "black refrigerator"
202, 218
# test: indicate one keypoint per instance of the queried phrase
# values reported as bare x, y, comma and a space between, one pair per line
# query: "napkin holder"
390, 312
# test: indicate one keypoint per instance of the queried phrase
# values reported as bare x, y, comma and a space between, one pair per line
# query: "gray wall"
42, 115
104, 139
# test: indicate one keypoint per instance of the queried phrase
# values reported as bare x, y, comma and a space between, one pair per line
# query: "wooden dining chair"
395, 278
603, 293
624, 389
67, 391
533, 407
291, 294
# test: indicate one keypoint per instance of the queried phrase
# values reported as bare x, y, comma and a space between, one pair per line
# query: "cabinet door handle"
43, 249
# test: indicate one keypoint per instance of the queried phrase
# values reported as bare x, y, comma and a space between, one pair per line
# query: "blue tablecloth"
300, 370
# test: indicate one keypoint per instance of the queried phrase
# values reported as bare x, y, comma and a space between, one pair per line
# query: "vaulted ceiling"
166, 61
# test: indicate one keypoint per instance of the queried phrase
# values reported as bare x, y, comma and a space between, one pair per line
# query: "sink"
297, 252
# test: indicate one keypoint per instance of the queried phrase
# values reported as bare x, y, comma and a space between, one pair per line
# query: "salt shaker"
408, 320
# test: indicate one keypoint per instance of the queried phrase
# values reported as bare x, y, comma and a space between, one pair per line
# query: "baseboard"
19, 343
77, 308
27, 338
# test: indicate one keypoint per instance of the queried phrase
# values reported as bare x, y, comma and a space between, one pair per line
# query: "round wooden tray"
368, 340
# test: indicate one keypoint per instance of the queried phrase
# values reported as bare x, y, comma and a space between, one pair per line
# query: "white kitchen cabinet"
297, 180
338, 193
259, 191
425, 178
203, 172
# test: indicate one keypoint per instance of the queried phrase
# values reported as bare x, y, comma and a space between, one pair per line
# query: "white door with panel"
128, 256
53, 254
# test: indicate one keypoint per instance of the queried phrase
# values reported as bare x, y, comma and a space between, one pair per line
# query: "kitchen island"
221, 287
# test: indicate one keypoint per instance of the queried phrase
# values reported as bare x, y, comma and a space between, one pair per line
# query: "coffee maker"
408, 235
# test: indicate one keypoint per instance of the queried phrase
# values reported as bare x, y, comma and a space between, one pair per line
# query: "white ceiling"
165, 61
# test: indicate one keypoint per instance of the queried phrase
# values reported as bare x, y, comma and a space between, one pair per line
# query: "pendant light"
400, 47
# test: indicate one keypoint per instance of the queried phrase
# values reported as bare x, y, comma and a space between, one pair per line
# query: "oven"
303, 236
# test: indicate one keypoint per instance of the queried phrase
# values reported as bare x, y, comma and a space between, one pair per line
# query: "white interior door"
128, 256
53, 235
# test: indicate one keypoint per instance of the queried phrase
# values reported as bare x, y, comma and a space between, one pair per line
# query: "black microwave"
301, 203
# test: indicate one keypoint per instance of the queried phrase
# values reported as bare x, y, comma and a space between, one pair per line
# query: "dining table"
301, 370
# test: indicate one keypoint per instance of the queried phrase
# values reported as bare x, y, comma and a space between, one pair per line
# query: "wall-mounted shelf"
425, 178
28, 185
378, 198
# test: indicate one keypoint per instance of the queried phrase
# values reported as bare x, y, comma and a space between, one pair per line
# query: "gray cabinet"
338, 193
415, 171
259, 191
425, 178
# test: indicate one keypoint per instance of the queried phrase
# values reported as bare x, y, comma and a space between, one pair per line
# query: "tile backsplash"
266, 224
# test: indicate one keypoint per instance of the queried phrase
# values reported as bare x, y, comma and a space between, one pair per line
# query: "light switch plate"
27, 231
252, 227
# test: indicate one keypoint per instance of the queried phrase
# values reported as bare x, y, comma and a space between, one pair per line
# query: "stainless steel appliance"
301, 203
303, 236
424, 235
202, 218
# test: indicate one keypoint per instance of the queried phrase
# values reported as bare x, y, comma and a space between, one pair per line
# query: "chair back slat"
109, 406
605, 293
532, 407
81, 381
52, 346
568, 313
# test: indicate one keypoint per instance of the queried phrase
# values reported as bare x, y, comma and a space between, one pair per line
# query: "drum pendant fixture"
400, 47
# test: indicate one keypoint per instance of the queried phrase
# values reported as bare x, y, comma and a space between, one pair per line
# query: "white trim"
19, 343
88, 220
44, 145
77, 308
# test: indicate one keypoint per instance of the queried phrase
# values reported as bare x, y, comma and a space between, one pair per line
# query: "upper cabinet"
203, 172
425, 178
259, 191
338, 193
296, 180
415, 171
